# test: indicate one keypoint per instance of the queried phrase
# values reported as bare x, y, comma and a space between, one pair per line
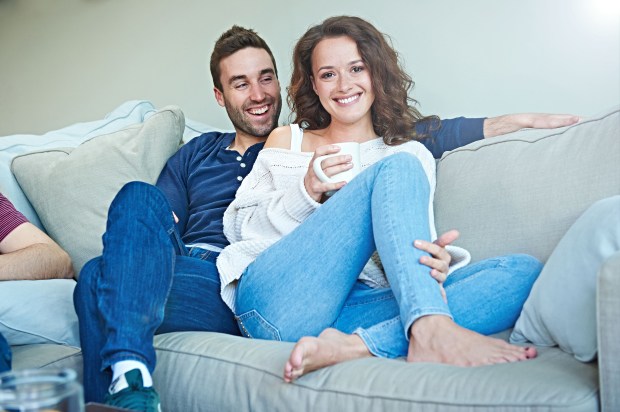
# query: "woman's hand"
439, 261
331, 166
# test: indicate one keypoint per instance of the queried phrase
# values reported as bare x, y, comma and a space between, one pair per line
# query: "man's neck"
243, 140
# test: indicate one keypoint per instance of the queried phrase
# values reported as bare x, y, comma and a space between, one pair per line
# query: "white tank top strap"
297, 136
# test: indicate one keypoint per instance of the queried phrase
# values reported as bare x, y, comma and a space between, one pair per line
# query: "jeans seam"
390, 232
253, 313
474, 276
365, 302
243, 328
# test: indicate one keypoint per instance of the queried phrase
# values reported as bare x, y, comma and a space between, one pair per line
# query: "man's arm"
497, 126
450, 134
29, 254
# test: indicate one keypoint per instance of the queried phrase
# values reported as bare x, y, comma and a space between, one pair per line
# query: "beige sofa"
517, 193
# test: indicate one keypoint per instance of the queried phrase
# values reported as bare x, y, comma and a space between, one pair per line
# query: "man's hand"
496, 126
439, 261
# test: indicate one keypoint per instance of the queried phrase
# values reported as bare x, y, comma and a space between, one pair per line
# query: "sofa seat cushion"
208, 371
47, 355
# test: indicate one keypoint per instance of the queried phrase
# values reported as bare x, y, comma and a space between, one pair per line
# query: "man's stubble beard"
241, 122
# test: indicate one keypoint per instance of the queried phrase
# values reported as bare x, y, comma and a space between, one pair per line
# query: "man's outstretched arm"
497, 126
450, 134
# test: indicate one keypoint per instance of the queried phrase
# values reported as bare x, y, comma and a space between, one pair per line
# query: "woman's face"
342, 80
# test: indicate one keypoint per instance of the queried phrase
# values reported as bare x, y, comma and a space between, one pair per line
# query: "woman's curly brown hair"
393, 115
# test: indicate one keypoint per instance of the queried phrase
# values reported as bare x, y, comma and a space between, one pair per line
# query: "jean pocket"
254, 326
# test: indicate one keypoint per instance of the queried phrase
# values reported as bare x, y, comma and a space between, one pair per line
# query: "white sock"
119, 369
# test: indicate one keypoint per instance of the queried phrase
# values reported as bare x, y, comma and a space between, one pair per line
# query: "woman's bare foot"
437, 338
331, 347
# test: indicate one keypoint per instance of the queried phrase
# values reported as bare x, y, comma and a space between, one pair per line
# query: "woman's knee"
405, 165
403, 161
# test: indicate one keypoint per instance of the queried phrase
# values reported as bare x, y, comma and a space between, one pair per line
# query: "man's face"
250, 92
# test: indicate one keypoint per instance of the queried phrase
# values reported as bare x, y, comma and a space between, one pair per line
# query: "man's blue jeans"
5, 355
308, 281
145, 283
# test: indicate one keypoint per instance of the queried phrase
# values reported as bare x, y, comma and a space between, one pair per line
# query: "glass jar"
40, 390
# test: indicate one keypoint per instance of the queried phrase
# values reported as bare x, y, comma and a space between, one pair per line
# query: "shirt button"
238, 158
242, 165
239, 178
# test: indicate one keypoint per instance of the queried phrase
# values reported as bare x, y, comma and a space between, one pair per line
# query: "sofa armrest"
608, 313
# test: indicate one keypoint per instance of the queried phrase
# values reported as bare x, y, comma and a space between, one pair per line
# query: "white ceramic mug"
346, 148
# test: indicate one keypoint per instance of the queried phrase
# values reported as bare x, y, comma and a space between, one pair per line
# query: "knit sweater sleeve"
271, 202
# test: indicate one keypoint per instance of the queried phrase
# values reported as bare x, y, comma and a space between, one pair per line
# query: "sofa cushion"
48, 356
52, 302
561, 308
243, 374
487, 189
128, 113
71, 189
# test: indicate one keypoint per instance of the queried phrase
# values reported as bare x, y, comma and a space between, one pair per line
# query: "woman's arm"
272, 199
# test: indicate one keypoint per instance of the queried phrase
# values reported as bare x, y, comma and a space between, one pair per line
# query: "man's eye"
241, 86
267, 80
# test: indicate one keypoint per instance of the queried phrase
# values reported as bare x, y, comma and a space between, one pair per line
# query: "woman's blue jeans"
308, 280
145, 283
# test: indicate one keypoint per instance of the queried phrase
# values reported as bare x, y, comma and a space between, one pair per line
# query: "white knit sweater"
272, 201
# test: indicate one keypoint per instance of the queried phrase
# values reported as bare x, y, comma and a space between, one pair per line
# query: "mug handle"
318, 170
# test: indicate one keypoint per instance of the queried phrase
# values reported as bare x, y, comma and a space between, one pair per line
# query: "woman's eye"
327, 75
357, 69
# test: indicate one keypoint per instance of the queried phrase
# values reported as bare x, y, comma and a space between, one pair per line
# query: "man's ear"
313, 85
219, 96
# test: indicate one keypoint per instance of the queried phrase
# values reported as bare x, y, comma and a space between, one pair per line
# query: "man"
157, 273
26, 253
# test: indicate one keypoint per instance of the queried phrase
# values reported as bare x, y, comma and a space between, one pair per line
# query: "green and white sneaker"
135, 396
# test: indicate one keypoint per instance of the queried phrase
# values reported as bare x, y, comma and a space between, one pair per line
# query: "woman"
301, 264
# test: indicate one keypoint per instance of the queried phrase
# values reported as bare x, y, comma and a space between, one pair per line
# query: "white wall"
64, 61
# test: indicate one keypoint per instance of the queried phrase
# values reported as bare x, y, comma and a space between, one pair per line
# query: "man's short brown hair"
231, 41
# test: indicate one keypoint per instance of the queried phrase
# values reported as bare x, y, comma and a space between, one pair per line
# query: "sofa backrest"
519, 193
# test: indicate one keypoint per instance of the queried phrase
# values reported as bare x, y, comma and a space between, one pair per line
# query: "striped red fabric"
10, 218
